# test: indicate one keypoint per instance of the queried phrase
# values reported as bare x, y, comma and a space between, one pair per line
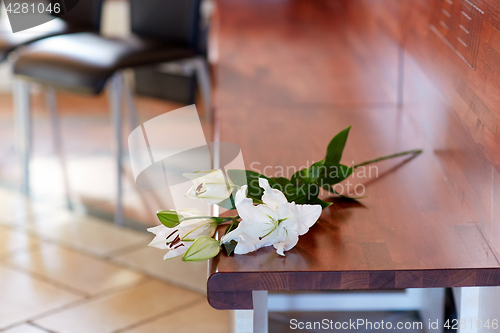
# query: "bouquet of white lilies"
270, 210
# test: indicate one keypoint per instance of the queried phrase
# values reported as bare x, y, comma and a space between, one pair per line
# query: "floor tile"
140, 206
23, 297
16, 209
87, 234
89, 157
176, 271
119, 310
90, 175
25, 328
12, 241
75, 270
199, 318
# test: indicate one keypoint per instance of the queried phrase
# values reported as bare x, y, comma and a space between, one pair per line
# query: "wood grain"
459, 107
294, 73
233, 291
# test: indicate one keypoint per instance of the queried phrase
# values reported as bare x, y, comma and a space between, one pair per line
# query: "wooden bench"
292, 74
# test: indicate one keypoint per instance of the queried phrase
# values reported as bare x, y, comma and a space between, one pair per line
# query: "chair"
86, 16
162, 31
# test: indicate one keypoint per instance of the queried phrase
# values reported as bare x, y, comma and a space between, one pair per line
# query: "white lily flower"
277, 222
210, 186
179, 238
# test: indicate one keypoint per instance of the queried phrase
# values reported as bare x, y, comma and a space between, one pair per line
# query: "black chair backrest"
82, 15
172, 21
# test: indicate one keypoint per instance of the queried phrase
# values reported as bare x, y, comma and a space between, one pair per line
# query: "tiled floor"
74, 271
24, 297
62, 271
87, 138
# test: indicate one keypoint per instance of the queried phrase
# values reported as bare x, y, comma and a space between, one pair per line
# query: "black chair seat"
10, 41
83, 62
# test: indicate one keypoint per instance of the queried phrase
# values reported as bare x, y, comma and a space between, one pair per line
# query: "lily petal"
284, 211
246, 244
247, 211
190, 212
159, 229
161, 233
178, 251
250, 232
210, 186
192, 229
290, 241
280, 248
306, 216
272, 197
211, 176
249, 239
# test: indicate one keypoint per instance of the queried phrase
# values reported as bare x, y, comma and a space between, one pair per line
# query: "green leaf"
347, 197
250, 178
336, 147
203, 248
305, 194
281, 181
169, 218
334, 174
227, 203
309, 175
220, 220
257, 201
242, 177
295, 194
323, 204
229, 247
232, 226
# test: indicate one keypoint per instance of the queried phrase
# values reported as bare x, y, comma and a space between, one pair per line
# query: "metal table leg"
256, 320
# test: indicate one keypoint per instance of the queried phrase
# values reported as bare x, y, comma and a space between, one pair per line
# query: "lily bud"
203, 248
169, 218
210, 186
177, 239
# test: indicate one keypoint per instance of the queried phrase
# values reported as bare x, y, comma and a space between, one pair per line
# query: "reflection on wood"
293, 73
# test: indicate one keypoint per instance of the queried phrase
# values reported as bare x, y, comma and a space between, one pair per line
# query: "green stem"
233, 225
223, 219
412, 152
218, 220
198, 217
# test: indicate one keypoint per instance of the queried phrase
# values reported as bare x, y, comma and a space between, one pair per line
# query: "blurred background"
74, 270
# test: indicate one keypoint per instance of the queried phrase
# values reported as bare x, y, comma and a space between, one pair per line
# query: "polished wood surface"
469, 105
293, 73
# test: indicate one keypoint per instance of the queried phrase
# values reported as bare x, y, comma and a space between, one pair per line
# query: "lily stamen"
200, 189
173, 232
275, 226
175, 241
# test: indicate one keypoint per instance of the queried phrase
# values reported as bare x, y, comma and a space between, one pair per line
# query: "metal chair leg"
23, 129
51, 102
203, 78
128, 92
116, 115
199, 66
